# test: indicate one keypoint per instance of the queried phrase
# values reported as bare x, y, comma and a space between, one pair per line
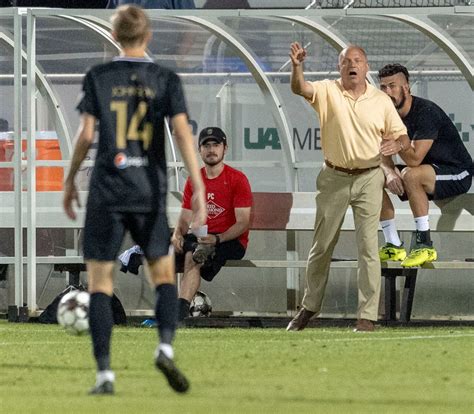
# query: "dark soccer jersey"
426, 120
130, 99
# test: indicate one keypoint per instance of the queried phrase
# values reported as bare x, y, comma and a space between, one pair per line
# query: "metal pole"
31, 156
17, 128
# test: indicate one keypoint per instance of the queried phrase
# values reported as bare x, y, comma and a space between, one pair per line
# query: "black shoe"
299, 322
175, 378
203, 252
106, 387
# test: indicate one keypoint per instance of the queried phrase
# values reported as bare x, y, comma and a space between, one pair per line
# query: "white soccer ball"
73, 312
200, 305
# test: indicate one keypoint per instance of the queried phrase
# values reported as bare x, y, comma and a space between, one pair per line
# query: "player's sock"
104, 383
104, 376
166, 311
101, 322
390, 232
183, 308
167, 349
422, 223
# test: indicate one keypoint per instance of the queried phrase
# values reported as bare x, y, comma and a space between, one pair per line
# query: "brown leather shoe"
299, 322
364, 325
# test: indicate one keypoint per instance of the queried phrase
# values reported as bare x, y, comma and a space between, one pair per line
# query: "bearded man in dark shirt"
438, 166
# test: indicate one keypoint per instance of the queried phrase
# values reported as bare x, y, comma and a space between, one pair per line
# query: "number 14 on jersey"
133, 130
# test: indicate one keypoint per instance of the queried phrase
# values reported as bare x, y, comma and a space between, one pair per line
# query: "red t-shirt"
230, 190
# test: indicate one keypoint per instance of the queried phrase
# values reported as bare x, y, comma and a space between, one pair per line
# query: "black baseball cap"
212, 133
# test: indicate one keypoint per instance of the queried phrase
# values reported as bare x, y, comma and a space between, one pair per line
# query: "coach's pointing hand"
297, 54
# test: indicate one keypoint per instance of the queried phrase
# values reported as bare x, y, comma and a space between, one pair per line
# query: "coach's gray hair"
359, 48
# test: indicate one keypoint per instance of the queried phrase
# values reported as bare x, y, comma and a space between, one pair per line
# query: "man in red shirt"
229, 199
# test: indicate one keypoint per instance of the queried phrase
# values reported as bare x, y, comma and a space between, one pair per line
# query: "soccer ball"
200, 305
73, 312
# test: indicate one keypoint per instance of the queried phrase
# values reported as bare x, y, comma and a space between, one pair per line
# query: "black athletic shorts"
104, 232
450, 181
228, 250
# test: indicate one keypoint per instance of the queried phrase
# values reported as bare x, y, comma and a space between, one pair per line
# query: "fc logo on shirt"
214, 210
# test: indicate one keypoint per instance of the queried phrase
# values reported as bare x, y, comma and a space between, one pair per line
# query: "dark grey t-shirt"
426, 120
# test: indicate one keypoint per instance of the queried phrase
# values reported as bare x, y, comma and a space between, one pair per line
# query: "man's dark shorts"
450, 181
229, 250
104, 232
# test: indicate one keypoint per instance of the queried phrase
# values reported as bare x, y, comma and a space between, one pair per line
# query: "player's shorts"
228, 250
104, 232
450, 181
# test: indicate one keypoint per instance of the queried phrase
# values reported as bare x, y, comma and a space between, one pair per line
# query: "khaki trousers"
336, 191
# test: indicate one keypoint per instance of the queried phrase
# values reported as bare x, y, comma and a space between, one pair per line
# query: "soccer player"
438, 166
129, 98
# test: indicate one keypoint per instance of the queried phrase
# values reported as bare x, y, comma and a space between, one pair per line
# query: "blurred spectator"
62, 4
228, 4
154, 4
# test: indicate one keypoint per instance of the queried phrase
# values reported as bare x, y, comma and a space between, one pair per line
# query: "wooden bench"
288, 212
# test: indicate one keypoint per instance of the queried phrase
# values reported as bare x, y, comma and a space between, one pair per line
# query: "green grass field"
326, 370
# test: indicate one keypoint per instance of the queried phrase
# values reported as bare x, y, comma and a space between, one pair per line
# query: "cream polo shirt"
352, 129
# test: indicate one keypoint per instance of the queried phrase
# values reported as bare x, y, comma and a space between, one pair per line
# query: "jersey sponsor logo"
121, 161
214, 210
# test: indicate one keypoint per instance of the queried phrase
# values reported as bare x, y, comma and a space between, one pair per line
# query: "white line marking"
355, 338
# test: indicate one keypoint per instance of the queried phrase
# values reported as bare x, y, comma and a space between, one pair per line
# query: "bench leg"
390, 293
13, 313
292, 276
74, 277
408, 295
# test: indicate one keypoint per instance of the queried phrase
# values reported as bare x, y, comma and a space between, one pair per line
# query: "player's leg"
162, 274
152, 233
392, 249
419, 182
100, 280
103, 234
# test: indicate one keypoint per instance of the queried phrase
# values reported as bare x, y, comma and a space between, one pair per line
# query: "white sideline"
370, 337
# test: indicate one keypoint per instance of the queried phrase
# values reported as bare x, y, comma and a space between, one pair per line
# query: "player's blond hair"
131, 25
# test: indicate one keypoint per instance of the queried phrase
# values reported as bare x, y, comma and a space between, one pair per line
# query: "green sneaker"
391, 252
419, 256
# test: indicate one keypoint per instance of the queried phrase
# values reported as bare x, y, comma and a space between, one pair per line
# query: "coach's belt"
350, 171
